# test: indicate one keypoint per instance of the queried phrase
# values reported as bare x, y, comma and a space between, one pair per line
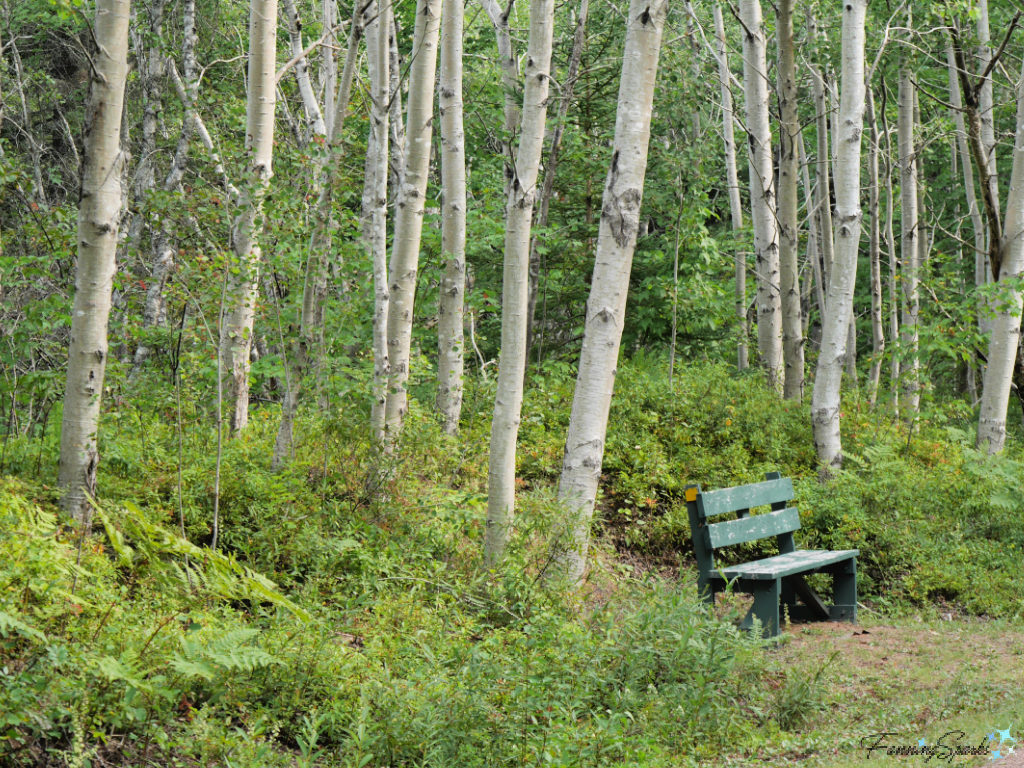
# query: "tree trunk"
99, 211
890, 245
986, 114
510, 84
813, 253
1005, 340
410, 204
909, 249
762, 194
824, 201
243, 277
826, 399
453, 224
875, 253
329, 68
314, 289
731, 177
606, 307
508, 400
789, 233
315, 123
378, 47
551, 166
397, 116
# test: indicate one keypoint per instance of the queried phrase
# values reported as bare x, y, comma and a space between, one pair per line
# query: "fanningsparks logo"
951, 745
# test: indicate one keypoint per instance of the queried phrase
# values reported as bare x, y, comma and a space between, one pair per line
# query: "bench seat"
801, 561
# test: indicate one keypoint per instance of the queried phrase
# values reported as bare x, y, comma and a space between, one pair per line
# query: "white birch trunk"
875, 253
788, 215
397, 117
606, 307
315, 124
890, 244
828, 380
762, 194
822, 166
315, 285
986, 112
509, 64
453, 224
731, 177
1005, 340
378, 38
99, 212
508, 400
980, 248
242, 285
813, 254
909, 249
410, 204
329, 68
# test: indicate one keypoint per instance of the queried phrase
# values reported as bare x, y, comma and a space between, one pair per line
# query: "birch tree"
762, 193
508, 401
99, 211
314, 290
825, 403
509, 63
606, 307
909, 249
732, 181
409, 209
789, 238
874, 251
824, 198
244, 264
1005, 339
453, 223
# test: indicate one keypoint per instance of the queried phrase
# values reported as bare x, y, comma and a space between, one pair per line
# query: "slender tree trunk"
762, 194
731, 177
397, 117
822, 165
826, 400
509, 63
151, 68
875, 253
314, 289
155, 310
378, 45
329, 67
788, 216
35, 150
606, 308
99, 212
453, 225
315, 123
551, 166
409, 217
908, 246
986, 113
732, 180
1005, 340
890, 245
508, 400
923, 241
239, 315
813, 254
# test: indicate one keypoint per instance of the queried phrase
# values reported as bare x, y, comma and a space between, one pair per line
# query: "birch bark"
99, 212
874, 252
789, 235
606, 307
315, 124
508, 402
453, 223
824, 201
410, 204
1005, 340
909, 249
510, 84
243, 277
551, 166
825, 416
986, 114
762, 194
315, 284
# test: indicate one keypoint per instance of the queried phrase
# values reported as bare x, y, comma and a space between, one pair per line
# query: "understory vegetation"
349, 625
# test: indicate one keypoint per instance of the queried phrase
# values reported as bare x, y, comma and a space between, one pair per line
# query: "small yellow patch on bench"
691, 494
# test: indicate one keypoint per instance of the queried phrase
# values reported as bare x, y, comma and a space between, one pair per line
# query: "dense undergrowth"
351, 624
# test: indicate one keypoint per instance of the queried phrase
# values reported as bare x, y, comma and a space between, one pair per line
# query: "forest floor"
904, 682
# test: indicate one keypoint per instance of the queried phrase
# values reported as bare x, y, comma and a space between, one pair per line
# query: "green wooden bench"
773, 580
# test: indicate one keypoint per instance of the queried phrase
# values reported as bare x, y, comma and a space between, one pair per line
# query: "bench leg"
845, 593
766, 604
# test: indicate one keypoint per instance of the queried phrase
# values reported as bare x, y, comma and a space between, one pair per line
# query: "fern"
227, 652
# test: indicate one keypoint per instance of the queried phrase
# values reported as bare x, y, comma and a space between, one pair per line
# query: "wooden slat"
754, 528
745, 496
788, 565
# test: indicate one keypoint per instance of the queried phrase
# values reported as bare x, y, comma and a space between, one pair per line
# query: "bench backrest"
708, 536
